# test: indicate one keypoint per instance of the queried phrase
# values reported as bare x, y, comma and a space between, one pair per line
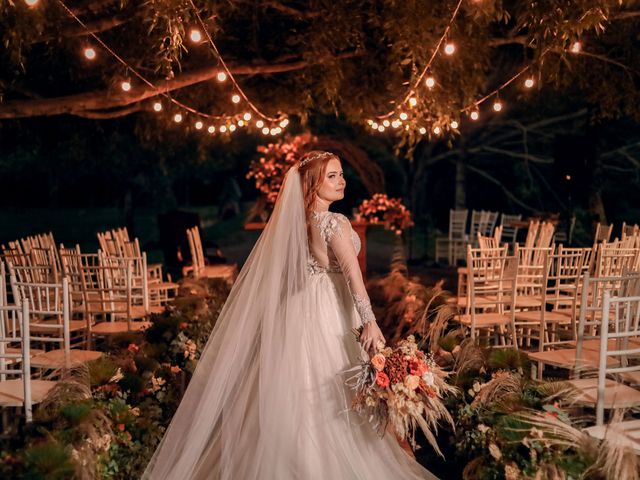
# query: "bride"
268, 398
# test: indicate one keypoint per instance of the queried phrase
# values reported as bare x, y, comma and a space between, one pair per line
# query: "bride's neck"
321, 205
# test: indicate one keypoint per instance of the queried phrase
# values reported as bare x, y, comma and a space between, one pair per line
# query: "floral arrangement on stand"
390, 212
402, 388
269, 170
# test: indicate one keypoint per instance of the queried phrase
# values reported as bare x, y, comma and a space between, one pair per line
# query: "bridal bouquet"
402, 388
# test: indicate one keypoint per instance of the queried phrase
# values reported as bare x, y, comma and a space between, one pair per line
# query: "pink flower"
378, 361
412, 382
382, 380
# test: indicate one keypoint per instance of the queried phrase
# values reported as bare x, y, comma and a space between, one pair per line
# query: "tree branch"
114, 98
96, 26
121, 112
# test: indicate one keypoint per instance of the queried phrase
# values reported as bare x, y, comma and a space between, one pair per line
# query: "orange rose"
378, 361
382, 380
418, 367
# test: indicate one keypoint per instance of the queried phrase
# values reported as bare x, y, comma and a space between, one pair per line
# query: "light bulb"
241, 123
396, 123
430, 82
386, 123
222, 76
284, 122
403, 116
157, 106
273, 131
259, 124
126, 86
31, 3
497, 105
177, 118
374, 125
278, 130
475, 115
381, 128
454, 124
90, 53
195, 35
247, 116
211, 129
436, 130
413, 101
235, 98
528, 82
199, 125
265, 131
223, 128
449, 49
422, 130
576, 47
232, 128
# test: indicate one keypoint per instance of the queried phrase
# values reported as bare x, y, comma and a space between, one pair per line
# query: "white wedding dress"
268, 399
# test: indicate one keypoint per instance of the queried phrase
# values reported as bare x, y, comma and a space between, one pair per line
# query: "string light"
497, 105
241, 123
449, 48
265, 131
413, 101
247, 116
157, 106
90, 53
386, 123
232, 128
396, 123
199, 125
31, 3
529, 82
436, 130
223, 128
430, 82
381, 128
221, 76
126, 86
374, 125
177, 118
403, 116
211, 129
422, 130
235, 98
475, 115
576, 47
454, 124
284, 123
195, 35
259, 124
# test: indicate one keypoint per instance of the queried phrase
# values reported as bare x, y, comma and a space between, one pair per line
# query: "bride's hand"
371, 336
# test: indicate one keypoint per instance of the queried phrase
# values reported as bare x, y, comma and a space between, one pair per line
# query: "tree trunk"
461, 175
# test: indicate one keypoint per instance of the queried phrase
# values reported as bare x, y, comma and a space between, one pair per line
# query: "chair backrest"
48, 300
477, 219
457, 224
491, 241
16, 362
545, 235
591, 302
614, 260
532, 233
491, 272
603, 233
489, 220
197, 254
509, 230
623, 325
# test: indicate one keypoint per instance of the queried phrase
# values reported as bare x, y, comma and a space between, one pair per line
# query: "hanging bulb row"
226, 125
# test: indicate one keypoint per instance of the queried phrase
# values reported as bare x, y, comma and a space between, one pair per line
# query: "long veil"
245, 373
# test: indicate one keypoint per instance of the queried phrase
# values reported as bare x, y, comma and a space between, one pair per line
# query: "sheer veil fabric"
267, 400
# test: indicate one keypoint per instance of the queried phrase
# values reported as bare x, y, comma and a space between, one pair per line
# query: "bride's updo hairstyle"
312, 168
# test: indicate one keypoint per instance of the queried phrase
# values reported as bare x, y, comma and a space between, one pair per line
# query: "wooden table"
360, 228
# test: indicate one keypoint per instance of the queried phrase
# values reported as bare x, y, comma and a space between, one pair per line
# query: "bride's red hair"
312, 168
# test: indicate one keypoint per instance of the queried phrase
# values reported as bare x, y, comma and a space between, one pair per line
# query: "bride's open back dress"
268, 399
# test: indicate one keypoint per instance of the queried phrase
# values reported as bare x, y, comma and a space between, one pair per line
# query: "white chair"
618, 353
199, 268
509, 230
603, 233
454, 244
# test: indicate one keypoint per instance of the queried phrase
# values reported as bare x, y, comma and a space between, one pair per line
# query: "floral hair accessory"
315, 156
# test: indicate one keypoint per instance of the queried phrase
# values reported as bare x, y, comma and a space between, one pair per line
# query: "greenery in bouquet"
390, 212
402, 388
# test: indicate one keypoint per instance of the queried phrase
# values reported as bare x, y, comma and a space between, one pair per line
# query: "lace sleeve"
338, 237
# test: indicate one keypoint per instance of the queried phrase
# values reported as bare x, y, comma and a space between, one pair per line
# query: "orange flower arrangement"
402, 387
390, 212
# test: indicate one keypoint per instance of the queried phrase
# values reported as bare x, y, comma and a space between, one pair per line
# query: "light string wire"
224, 65
143, 79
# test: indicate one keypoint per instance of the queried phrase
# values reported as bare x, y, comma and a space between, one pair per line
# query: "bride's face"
333, 185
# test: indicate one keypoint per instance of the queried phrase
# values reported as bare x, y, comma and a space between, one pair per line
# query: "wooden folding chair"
199, 267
